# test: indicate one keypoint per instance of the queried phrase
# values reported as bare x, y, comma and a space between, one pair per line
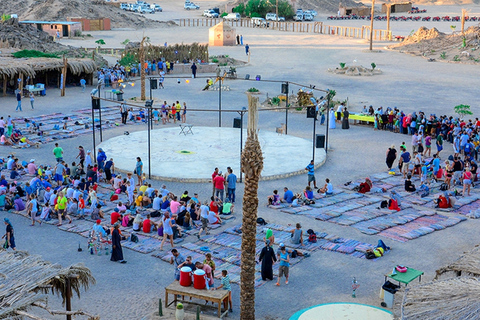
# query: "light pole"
148, 105
220, 101
285, 91
241, 113
314, 129
100, 112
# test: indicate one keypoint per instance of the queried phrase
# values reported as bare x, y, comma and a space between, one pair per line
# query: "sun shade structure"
457, 298
25, 279
31, 66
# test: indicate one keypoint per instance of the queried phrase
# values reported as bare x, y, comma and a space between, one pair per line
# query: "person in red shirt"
149, 225
214, 174
115, 216
213, 205
219, 184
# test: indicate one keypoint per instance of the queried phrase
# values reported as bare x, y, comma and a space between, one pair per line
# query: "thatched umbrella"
468, 264
457, 298
23, 276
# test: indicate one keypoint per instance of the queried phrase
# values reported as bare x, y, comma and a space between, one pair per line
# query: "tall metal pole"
372, 15
93, 133
328, 123
220, 102
100, 113
241, 141
314, 127
286, 112
68, 296
149, 153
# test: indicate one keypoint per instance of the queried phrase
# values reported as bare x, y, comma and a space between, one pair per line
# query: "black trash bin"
120, 96
237, 122
389, 293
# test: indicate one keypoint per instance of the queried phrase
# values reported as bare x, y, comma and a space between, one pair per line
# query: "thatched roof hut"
457, 298
468, 264
30, 66
25, 279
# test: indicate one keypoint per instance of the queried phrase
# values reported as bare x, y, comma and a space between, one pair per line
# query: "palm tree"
252, 165
142, 68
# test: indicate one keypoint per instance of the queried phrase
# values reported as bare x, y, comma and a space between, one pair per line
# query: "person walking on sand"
311, 174
267, 258
247, 49
32, 99
117, 253
58, 153
139, 171
9, 237
19, 101
194, 70
83, 84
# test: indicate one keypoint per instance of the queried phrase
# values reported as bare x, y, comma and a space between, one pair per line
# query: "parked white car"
298, 17
259, 22
156, 7
145, 9
307, 17
191, 6
124, 6
233, 16
210, 13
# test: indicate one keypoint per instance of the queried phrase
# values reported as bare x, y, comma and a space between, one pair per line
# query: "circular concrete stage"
193, 157
342, 311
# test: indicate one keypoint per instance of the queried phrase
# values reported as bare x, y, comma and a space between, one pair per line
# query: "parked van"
259, 22
271, 17
298, 17
232, 16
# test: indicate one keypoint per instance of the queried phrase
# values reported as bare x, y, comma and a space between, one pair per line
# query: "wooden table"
209, 295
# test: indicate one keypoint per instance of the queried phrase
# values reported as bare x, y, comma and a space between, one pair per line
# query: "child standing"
81, 207
284, 265
226, 286
208, 260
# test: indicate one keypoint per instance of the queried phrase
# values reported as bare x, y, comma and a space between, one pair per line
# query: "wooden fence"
290, 26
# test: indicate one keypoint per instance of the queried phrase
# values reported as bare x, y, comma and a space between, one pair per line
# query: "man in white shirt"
204, 209
157, 203
2, 126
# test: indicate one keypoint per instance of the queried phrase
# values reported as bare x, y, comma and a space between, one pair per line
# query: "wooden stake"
142, 69
64, 74
464, 12
389, 9
372, 15
5, 85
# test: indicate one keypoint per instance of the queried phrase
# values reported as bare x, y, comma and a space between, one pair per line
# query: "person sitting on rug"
297, 200
327, 188
293, 253
409, 186
214, 218
444, 201
269, 235
297, 235
308, 193
227, 208
138, 222
378, 252
148, 225
274, 199
425, 189
393, 205
396, 196
365, 186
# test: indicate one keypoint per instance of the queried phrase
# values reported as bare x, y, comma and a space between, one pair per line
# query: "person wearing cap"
97, 229
219, 182
117, 252
32, 168
9, 236
267, 258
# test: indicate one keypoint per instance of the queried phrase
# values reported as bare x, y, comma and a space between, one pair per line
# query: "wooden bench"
215, 296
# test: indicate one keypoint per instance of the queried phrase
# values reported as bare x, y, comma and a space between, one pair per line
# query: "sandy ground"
132, 291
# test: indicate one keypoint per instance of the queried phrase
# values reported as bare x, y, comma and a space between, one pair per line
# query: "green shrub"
223, 15
128, 60
34, 54
214, 60
275, 101
253, 90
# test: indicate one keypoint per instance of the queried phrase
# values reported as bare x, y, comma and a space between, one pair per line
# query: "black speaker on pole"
285, 88
320, 141
237, 122
95, 103
311, 112
153, 84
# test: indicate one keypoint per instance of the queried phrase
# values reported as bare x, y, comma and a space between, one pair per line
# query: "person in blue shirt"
311, 174
284, 267
101, 157
436, 166
231, 185
287, 196
424, 172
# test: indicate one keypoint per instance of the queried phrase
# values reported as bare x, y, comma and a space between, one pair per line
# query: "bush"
239, 9
275, 101
34, 54
223, 15
214, 60
128, 60
77, 33
253, 90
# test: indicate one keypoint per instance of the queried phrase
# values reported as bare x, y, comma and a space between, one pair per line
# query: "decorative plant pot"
179, 314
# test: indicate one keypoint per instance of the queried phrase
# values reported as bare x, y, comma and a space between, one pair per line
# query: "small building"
221, 35
92, 24
65, 28
359, 11
397, 7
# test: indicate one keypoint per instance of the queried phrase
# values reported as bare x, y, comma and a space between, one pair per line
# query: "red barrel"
186, 276
199, 279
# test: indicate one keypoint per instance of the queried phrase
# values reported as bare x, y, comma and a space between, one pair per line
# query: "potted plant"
179, 313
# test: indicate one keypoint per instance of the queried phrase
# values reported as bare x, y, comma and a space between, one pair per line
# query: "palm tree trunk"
142, 68
252, 165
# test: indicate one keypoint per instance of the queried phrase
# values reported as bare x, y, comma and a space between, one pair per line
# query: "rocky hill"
55, 10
